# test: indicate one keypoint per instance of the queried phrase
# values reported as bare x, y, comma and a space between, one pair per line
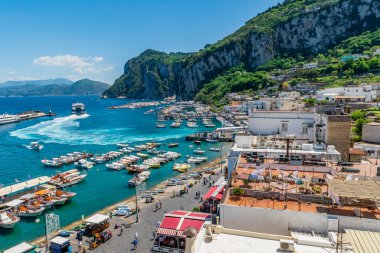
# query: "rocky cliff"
296, 26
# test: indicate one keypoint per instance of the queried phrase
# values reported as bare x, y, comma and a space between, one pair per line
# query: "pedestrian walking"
160, 203
121, 229
157, 206
135, 242
80, 247
201, 197
110, 215
136, 235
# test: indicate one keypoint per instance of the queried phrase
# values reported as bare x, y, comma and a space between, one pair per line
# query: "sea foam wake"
65, 130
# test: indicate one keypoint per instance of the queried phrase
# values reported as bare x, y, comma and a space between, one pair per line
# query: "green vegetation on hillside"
234, 80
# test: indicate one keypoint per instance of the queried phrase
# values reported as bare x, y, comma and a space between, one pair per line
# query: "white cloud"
80, 65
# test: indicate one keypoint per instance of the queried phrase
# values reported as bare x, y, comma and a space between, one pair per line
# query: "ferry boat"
78, 108
8, 118
143, 176
35, 146
8, 220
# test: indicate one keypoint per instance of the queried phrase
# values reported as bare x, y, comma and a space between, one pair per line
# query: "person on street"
160, 204
157, 206
121, 229
135, 242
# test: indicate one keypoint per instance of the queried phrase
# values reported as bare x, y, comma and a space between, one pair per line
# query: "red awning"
213, 193
165, 231
191, 223
170, 222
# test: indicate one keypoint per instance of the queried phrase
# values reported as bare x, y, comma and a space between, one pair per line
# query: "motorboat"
84, 164
67, 178
78, 108
35, 146
212, 140
122, 145
175, 125
210, 125
193, 160
197, 142
8, 219
152, 163
181, 167
142, 155
51, 163
141, 177
160, 125
173, 144
215, 149
199, 151
137, 168
115, 166
191, 124
30, 211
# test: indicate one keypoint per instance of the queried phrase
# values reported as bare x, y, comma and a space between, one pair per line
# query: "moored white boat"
143, 176
199, 151
8, 219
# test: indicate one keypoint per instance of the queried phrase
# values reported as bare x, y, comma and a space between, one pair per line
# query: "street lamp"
137, 209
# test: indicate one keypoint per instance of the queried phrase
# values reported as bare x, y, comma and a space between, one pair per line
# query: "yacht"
8, 118
84, 164
199, 151
215, 149
78, 108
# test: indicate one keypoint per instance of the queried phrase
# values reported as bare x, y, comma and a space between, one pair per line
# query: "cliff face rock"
156, 75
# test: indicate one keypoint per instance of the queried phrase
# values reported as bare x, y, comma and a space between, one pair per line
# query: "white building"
369, 91
289, 94
311, 65
284, 123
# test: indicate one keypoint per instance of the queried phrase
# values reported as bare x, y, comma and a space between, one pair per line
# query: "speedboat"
35, 146
197, 142
173, 144
122, 145
8, 220
114, 166
212, 140
160, 125
175, 125
142, 155
215, 149
191, 124
199, 151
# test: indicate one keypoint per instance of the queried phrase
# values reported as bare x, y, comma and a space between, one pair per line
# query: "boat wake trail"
66, 130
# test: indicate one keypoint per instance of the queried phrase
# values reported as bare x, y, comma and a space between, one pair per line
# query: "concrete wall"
338, 133
371, 133
265, 220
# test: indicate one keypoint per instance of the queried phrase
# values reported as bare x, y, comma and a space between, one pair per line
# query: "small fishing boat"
8, 219
202, 158
173, 144
152, 164
51, 163
215, 149
199, 151
35, 146
137, 168
212, 140
193, 160
210, 125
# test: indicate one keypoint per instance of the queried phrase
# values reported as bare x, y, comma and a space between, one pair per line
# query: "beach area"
148, 216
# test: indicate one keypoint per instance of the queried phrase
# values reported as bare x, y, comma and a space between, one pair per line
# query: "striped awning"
166, 231
180, 234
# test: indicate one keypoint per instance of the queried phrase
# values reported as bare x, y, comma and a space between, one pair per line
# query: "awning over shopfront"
215, 192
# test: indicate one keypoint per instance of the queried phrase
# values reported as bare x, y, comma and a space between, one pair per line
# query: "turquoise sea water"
97, 133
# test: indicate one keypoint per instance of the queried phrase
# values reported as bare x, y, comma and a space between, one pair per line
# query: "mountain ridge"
80, 87
303, 27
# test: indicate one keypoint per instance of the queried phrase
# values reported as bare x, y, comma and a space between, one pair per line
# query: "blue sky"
74, 39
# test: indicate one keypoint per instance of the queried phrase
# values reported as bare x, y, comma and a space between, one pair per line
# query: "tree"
237, 191
358, 115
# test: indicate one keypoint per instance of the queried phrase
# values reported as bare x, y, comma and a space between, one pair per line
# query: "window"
304, 130
284, 126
